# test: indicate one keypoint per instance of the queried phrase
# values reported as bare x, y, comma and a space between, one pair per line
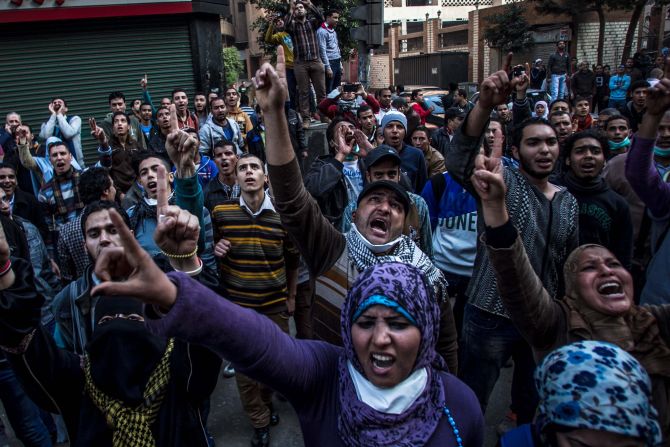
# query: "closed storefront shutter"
83, 61
537, 51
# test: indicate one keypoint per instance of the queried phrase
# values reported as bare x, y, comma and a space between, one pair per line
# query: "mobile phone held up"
350, 88
518, 71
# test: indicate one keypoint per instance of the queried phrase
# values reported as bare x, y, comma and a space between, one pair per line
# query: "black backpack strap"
439, 184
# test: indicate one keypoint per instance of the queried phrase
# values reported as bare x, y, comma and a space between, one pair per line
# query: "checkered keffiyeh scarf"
405, 251
132, 426
58, 183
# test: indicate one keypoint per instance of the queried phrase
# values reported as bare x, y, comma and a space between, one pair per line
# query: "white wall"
615, 36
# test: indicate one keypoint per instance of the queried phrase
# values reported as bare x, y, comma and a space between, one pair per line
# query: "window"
419, 2
458, 38
414, 27
415, 44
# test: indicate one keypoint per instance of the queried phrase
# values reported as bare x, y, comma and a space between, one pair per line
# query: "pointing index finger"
174, 122
162, 191
127, 237
508, 62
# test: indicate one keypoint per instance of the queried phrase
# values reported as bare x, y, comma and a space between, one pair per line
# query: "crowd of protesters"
535, 232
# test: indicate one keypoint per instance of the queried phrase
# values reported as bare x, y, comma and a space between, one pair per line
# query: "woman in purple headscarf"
385, 387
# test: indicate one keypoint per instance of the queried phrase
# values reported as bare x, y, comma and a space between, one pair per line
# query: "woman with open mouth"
598, 302
386, 387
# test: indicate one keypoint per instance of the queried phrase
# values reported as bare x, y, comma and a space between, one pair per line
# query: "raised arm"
316, 12
318, 241
370, 100
48, 126
537, 316
288, 19
640, 169
24, 142
494, 90
521, 109
146, 97
69, 129
269, 36
195, 314
181, 149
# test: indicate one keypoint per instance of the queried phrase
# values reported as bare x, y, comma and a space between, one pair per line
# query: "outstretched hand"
496, 88
271, 85
97, 132
23, 135
488, 181
181, 147
522, 82
129, 270
178, 230
362, 141
344, 147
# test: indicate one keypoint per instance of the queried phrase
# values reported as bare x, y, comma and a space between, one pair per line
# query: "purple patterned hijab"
360, 424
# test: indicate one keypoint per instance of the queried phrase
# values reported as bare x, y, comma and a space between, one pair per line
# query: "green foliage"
509, 30
232, 65
629, 5
279, 8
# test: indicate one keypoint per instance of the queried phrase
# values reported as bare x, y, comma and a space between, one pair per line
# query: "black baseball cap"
380, 152
400, 192
454, 112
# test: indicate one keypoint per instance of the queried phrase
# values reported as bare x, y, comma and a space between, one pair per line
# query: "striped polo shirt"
253, 273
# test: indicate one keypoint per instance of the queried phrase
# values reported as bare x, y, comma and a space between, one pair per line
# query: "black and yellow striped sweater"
253, 273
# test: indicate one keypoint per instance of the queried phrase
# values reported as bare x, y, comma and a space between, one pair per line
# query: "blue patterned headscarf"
403, 288
598, 386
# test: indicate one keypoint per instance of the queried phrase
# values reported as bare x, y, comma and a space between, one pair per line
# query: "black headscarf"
123, 354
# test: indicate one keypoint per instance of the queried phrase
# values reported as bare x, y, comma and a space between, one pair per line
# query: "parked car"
432, 96
407, 92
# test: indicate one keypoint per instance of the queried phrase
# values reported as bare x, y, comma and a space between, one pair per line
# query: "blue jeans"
616, 103
334, 82
23, 414
487, 343
558, 90
458, 285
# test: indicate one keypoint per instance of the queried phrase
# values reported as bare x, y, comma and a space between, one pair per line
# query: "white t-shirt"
354, 179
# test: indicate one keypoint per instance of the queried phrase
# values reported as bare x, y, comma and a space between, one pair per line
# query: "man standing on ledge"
558, 70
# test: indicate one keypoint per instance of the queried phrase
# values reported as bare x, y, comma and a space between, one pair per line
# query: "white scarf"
394, 400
